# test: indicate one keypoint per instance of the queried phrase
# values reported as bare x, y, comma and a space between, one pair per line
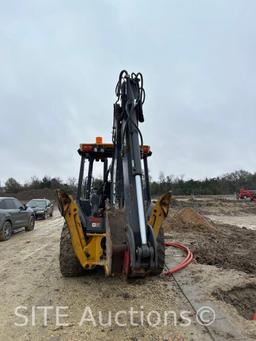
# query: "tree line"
229, 183
13, 186
226, 184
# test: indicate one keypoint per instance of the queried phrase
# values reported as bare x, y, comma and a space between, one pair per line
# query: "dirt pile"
188, 219
229, 247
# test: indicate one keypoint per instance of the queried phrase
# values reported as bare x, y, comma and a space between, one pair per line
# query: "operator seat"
85, 206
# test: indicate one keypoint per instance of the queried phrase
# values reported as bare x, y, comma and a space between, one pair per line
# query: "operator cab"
92, 194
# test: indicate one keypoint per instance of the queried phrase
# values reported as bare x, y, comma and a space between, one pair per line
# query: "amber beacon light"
99, 140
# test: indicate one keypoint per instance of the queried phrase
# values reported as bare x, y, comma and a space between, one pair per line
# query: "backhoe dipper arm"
128, 144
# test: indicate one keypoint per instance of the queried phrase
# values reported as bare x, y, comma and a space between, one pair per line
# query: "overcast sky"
60, 62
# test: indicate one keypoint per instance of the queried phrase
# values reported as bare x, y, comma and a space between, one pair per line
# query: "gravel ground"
30, 281
30, 277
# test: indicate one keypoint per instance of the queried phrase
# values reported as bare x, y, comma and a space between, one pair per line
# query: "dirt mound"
229, 247
188, 219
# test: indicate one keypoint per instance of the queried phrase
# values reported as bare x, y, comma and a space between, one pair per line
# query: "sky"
60, 62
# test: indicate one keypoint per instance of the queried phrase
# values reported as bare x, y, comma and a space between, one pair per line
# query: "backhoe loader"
114, 225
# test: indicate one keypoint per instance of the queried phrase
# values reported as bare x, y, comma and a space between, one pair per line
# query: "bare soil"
30, 278
218, 205
223, 271
187, 219
222, 245
224, 267
230, 247
243, 298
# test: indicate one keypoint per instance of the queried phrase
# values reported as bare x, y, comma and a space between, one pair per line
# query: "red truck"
247, 193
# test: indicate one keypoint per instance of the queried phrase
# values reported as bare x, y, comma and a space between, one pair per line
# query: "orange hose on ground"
186, 260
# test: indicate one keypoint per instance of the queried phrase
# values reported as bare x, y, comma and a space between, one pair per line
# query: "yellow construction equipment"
112, 223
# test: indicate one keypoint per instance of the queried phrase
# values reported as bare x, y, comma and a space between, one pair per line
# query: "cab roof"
104, 150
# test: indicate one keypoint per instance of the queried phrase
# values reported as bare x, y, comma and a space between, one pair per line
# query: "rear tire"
160, 253
69, 264
6, 231
31, 225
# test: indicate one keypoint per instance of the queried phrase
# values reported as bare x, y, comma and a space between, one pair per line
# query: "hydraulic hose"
186, 261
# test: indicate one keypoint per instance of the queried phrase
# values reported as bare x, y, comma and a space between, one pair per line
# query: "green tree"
12, 186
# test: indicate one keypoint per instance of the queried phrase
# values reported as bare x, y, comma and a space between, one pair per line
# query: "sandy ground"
30, 279
248, 221
223, 209
224, 265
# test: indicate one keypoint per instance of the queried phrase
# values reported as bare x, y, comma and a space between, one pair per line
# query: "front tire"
6, 231
69, 264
